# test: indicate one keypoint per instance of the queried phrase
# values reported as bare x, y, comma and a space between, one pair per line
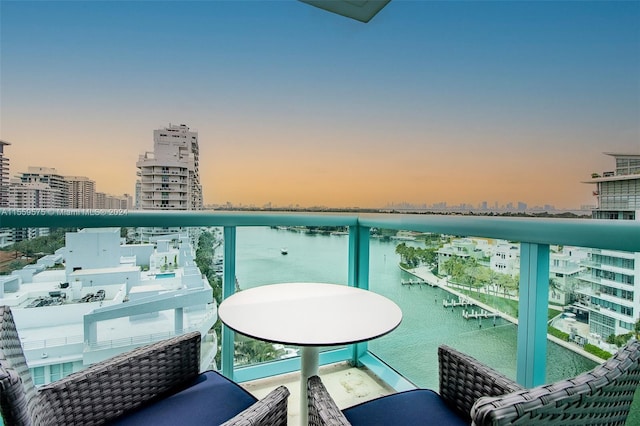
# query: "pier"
453, 303
479, 314
416, 282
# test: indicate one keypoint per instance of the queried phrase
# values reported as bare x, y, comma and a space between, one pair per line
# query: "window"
67, 368
55, 372
626, 325
58, 371
38, 375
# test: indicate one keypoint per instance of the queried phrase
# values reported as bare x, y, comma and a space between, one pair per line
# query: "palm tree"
554, 286
401, 249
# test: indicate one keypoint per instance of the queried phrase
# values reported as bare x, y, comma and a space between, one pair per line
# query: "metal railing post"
359, 273
532, 316
228, 288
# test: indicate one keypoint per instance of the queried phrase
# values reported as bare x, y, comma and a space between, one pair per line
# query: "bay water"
411, 349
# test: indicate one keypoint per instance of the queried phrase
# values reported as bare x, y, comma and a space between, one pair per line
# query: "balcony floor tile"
347, 385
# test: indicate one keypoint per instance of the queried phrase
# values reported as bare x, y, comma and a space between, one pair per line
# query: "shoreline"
425, 274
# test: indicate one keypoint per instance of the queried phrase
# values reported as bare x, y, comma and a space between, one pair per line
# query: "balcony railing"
535, 237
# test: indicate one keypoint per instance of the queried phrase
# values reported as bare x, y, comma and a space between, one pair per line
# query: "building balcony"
406, 357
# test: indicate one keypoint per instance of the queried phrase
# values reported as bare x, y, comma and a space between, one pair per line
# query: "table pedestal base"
308, 368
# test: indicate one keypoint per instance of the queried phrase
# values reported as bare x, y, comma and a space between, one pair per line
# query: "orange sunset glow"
430, 102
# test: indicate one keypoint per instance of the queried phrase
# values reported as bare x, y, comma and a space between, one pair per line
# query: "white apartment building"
462, 248
5, 234
4, 175
610, 287
169, 177
59, 188
82, 192
108, 201
37, 188
31, 195
505, 258
564, 269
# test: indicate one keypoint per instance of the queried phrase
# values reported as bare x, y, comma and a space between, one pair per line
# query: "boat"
284, 251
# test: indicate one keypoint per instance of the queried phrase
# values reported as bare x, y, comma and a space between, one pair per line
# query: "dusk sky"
457, 101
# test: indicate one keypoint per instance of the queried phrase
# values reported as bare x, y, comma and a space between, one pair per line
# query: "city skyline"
430, 102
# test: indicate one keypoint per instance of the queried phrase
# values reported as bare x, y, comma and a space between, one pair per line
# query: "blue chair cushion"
210, 399
414, 407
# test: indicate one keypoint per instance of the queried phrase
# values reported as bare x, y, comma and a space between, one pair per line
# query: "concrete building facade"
5, 234
82, 192
610, 288
169, 177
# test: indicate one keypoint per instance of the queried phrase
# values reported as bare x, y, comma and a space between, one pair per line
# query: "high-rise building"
5, 233
108, 201
169, 177
610, 288
37, 188
82, 192
31, 195
58, 188
4, 176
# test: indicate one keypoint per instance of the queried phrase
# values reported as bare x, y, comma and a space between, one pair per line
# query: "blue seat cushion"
414, 407
210, 399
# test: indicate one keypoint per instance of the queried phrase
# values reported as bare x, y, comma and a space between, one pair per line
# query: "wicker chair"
158, 384
471, 393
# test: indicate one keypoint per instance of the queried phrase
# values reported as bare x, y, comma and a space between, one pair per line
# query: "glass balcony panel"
69, 280
281, 254
425, 289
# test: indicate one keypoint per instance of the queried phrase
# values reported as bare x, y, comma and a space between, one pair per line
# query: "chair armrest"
108, 389
603, 395
464, 379
322, 408
269, 411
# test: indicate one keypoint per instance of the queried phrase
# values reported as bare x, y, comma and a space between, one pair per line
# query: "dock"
453, 303
479, 314
416, 282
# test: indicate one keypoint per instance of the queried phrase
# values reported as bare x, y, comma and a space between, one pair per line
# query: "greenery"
325, 229
467, 271
248, 351
593, 349
414, 256
204, 261
35, 248
557, 333
622, 339
47, 244
383, 234
619, 340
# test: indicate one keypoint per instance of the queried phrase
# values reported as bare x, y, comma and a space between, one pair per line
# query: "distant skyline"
456, 102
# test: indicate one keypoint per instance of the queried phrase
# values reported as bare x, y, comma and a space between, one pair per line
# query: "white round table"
309, 315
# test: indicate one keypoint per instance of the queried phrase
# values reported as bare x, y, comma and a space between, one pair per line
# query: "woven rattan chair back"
602, 396
18, 395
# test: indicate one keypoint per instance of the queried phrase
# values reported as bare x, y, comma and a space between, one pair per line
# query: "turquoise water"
412, 348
